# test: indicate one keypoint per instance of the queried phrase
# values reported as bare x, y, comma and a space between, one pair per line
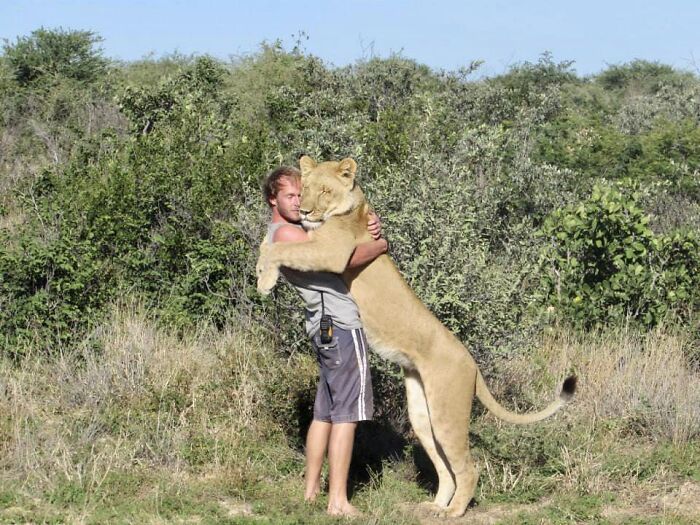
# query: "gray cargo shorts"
344, 393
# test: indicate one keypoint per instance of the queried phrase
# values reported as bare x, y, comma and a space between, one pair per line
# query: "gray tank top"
337, 301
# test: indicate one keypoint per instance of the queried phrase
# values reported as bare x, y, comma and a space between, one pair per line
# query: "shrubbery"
144, 178
155, 214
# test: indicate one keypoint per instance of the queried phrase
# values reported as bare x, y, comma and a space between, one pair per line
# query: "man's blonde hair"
273, 181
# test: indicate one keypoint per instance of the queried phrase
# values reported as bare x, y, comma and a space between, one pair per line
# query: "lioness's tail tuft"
568, 389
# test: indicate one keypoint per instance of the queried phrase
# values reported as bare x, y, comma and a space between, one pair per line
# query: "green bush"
603, 263
526, 80
156, 213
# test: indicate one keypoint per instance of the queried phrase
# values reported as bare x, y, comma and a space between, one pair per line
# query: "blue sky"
442, 34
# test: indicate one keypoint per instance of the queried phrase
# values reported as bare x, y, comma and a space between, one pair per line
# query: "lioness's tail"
482, 392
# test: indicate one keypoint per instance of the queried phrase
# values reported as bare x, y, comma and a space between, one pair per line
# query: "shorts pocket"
329, 355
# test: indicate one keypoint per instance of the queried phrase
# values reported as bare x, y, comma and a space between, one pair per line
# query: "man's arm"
367, 252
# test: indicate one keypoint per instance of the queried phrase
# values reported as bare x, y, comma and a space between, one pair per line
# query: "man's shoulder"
289, 233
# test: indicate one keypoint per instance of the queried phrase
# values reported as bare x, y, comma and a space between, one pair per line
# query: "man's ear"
306, 164
346, 169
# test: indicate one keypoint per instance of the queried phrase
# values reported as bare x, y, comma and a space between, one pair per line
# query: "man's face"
287, 199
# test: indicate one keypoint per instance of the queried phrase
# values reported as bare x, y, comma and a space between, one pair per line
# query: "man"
344, 394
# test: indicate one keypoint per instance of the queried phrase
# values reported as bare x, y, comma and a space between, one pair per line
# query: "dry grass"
141, 416
631, 430
645, 381
134, 396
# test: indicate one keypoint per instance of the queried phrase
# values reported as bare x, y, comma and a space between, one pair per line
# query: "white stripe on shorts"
363, 340
360, 365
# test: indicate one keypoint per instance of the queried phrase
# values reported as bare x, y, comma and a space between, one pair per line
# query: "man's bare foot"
343, 509
310, 498
311, 494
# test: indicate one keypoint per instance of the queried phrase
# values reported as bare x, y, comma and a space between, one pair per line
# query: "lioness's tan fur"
441, 376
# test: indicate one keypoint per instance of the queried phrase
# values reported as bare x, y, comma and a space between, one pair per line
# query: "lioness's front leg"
323, 253
266, 272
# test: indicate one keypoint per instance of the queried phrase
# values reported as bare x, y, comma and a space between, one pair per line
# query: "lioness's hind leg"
420, 421
449, 392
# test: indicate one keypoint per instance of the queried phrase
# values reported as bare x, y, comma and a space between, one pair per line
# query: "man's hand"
374, 226
368, 251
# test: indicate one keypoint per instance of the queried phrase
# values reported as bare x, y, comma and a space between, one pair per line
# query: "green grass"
272, 492
141, 496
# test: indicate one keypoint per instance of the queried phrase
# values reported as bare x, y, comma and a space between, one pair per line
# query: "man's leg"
339, 455
316, 445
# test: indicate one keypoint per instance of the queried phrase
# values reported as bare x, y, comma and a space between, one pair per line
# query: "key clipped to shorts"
326, 324
326, 329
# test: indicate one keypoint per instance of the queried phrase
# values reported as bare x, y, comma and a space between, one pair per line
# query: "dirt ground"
682, 502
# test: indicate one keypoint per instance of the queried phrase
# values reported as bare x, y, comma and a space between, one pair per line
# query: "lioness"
441, 376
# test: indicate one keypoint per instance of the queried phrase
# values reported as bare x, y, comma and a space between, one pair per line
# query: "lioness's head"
326, 190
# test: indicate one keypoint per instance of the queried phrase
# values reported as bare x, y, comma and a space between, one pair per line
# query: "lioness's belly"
399, 327
388, 352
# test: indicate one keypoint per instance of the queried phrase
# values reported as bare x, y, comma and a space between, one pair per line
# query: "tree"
55, 53
643, 75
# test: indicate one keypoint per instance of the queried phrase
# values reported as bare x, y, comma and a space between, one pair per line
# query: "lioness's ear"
347, 169
306, 164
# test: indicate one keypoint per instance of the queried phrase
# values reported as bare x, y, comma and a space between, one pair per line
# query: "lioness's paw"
430, 507
267, 278
263, 266
263, 258
452, 512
